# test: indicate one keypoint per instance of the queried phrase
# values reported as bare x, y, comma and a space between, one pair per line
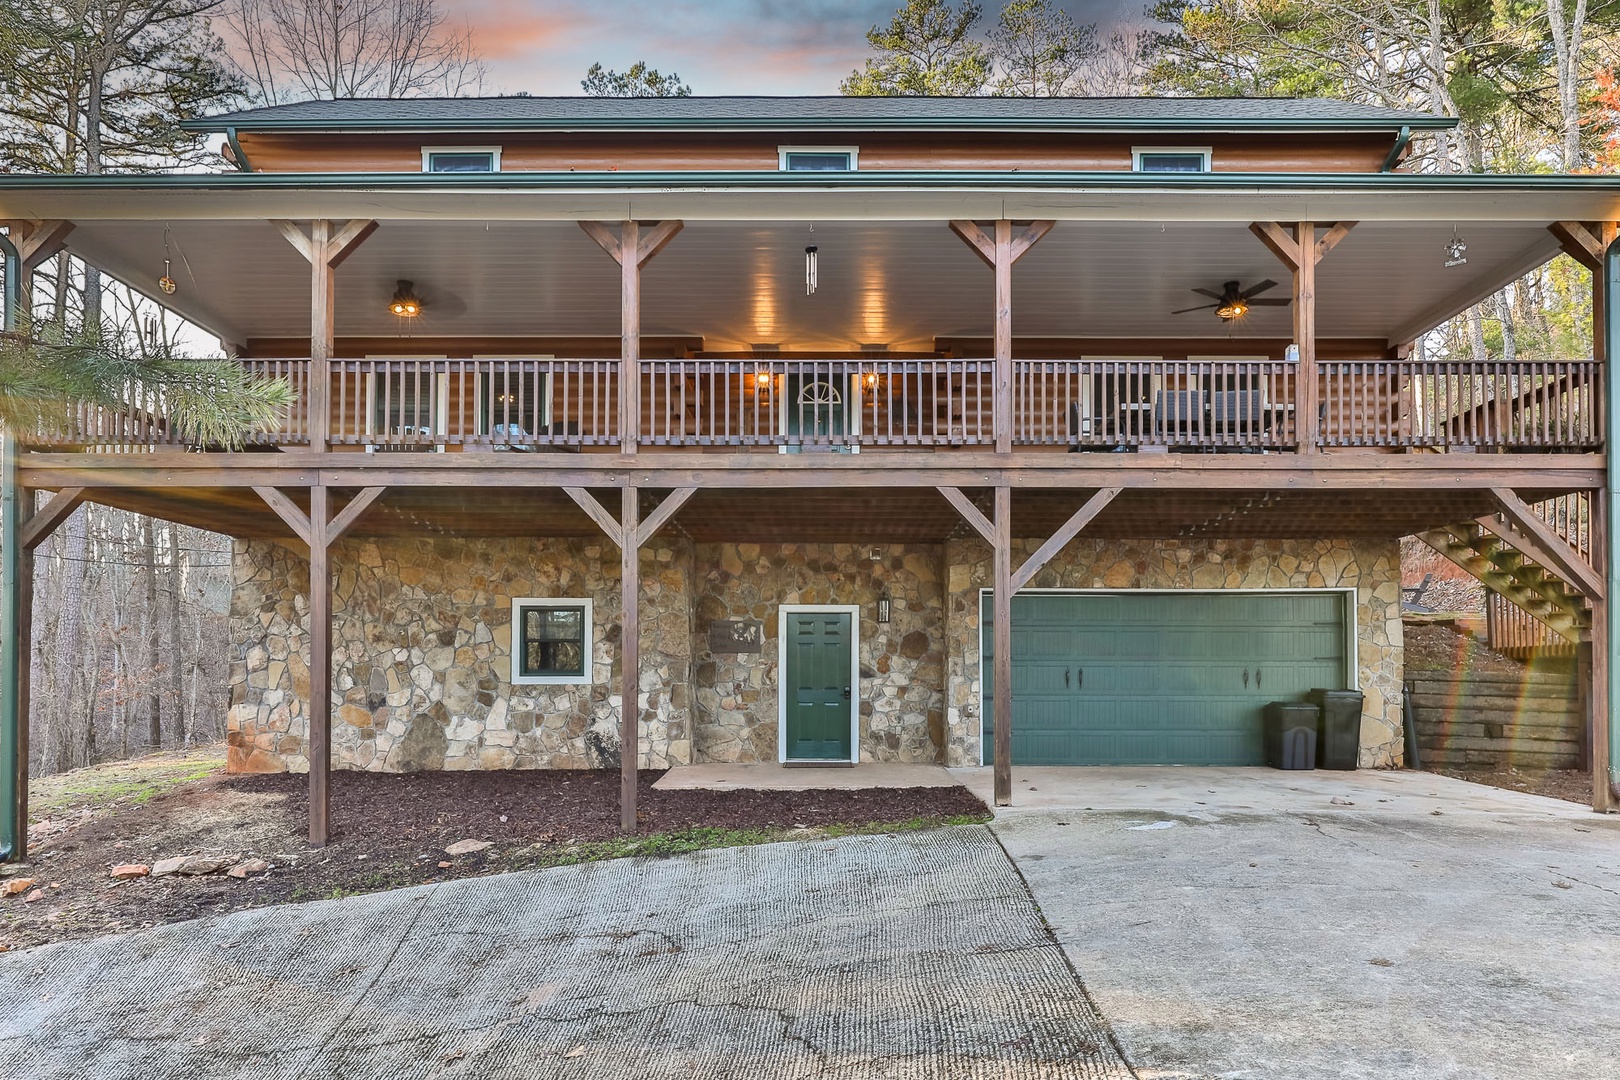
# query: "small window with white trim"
818, 158
551, 640
461, 159
1170, 158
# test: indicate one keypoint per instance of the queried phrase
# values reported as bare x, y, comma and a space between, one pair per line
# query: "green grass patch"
120, 783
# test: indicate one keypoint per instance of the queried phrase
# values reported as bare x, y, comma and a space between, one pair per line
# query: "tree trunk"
154, 641
1566, 38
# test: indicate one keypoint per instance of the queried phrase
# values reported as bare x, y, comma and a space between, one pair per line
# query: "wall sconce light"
762, 381
885, 605
869, 381
405, 303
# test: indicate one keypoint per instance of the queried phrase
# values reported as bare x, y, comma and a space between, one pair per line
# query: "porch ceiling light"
405, 303
1234, 310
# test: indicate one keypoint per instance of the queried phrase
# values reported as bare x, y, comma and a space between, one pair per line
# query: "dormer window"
1170, 158
461, 159
818, 158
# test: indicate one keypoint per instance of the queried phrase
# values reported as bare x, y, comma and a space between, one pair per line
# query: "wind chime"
810, 265
166, 282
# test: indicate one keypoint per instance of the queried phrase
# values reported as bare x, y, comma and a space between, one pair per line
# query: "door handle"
1257, 678
1245, 678
1065, 678
1080, 680
846, 693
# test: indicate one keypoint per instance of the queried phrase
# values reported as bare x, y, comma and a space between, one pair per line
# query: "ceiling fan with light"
1234, 302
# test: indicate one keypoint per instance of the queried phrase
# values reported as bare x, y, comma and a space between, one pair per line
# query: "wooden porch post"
322, 342
325, 248
1307, 415
629, 656
629, 346
1001, 623
1000, 252
1003, 341
320, 670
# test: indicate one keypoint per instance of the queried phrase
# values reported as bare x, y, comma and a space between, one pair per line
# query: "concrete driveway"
915, 956
1432, 930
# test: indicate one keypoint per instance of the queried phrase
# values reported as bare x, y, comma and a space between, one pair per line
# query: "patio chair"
1178, 412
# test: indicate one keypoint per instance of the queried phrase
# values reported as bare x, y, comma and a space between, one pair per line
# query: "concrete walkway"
915, 956
1325, 942
769, 776
1177, 789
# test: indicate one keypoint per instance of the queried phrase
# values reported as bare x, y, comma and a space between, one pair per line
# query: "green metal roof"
807, 181
1156, 114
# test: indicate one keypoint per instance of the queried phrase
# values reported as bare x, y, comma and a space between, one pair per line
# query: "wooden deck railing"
1525, 405
827, 404
1124, 404
837, 404
423, 404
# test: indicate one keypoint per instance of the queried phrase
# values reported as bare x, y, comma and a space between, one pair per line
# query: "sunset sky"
717, 46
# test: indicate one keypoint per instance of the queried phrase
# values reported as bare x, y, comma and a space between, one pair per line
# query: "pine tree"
926, 50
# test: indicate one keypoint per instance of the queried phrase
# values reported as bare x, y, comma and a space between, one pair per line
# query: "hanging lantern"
166, 283
810, 270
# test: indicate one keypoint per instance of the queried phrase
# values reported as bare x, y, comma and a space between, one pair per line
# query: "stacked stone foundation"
422, 639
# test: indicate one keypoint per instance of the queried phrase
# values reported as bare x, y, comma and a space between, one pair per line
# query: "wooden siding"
1288, 152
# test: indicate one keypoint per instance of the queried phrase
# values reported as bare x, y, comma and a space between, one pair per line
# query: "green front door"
1160, 678
816, 409
819, 694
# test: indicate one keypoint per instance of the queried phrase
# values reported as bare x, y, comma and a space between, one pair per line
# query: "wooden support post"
1001, 630
1307, 414
1600, 731
326, 248
320, 670
629, 338
1300, 252
35, 241
322, 338
1605, 692
1003, 338
629, 658
1000, 253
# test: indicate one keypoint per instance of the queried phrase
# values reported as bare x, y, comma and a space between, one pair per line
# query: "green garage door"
1159, 678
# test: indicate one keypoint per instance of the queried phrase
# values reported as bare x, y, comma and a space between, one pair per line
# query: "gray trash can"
1290, 728
1339, 742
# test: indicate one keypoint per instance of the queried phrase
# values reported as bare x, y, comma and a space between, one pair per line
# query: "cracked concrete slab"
1339, 944
911, 956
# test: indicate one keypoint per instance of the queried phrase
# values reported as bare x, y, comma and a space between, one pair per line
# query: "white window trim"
493, 151
1206, 152
782, 614
1352, 641
782, 153
520, 679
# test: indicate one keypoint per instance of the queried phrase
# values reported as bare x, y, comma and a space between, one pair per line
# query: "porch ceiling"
893, 515
734, 284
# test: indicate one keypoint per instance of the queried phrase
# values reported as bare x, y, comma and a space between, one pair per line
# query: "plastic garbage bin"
1291, 728
1339, 741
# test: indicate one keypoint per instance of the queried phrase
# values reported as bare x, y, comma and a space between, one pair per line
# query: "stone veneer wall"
902, 712
422, 640
1373, 568
421, 656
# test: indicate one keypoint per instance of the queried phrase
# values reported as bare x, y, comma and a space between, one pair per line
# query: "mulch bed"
390, 831
569, 806
1571, 785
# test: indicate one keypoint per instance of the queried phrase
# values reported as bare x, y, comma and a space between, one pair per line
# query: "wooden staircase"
1484, 552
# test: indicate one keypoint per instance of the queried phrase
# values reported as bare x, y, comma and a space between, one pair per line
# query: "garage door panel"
1161, 678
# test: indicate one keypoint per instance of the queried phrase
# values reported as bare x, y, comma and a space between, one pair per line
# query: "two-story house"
648, 432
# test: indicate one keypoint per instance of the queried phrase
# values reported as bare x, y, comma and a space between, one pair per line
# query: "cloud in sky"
717, 46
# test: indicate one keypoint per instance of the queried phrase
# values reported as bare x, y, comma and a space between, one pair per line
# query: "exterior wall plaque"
736, 636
